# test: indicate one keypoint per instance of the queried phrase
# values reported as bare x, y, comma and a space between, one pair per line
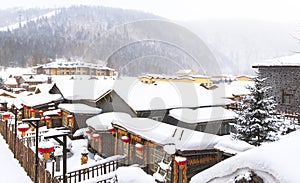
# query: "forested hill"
70, 32
135, 42
132, 42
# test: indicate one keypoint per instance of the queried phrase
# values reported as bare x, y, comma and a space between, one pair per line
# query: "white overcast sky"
269, 10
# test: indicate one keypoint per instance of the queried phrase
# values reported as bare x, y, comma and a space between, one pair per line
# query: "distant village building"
181, 76
283, 75
64, 67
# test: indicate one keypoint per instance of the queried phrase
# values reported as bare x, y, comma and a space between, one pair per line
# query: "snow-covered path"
10, 169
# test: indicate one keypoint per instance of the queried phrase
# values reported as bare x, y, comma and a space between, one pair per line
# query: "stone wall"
283, 79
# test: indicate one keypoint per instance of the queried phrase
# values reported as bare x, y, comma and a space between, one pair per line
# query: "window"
157, 118
288, 97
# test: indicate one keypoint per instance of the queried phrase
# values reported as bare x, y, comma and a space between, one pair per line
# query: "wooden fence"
103, 167
26, 157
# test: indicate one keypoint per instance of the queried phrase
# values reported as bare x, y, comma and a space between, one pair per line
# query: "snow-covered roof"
84, 89
205, 114
79, 108
44, 87
33, 78
165, 95
162, 133
291, 60
7, 93
11, 81
39, 99
233, 146
273, 162
103, 121
236, 88
74, 63
51, 112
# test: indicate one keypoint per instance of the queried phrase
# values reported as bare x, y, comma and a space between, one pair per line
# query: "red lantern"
139, 147
45, 148
43, 120
180, 160
32, 110
125, 139
88, 131
111, 129
96, 136
41, 112
59, 112
23, 128
70, 117
5, 115
47, 118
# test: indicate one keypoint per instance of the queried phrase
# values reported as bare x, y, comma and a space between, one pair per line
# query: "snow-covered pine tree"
255, 123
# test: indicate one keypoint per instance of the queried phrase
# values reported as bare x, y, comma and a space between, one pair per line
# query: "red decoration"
139, 147
47, 118
23, 128
43, 119
32, 110
5, 115
70, 117
46, 148
180, 160
96, 136
125, 139
88, 131
59, 112
41, 112
111, 129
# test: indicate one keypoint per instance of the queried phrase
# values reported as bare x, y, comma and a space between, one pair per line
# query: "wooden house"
11, 82
214, 120
169, 153
283, 75
156, 100
33, 104
100, 132
74, 116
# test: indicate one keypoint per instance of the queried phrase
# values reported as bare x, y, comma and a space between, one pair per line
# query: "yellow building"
243, 78
152, 78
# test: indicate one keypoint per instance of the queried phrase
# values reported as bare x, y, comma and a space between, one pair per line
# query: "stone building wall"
283, 81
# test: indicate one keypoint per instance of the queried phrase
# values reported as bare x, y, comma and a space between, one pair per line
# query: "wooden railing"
26, 157
294, 116
103, 167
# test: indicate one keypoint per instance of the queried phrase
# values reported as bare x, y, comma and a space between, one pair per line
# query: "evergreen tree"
256, 123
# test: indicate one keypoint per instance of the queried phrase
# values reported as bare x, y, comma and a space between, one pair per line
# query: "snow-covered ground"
10, 169
273, 162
